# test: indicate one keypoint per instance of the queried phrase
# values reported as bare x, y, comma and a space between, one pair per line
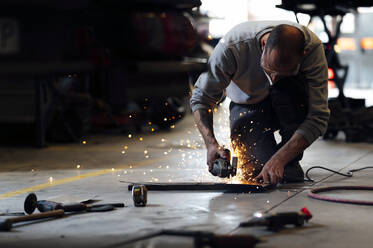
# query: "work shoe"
293, 173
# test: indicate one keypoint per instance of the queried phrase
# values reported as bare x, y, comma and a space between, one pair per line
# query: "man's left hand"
272, 172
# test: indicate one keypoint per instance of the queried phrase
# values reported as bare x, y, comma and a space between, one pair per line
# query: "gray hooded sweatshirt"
234, 67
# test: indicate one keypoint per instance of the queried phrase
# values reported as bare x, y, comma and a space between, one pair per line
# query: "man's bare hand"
272, 172
215, 151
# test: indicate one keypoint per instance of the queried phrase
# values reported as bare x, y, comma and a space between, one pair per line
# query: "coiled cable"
314, 192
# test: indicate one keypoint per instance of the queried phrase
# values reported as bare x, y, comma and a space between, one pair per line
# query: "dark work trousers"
253, 125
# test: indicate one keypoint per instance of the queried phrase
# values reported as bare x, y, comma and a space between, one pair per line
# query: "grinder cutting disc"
30, 204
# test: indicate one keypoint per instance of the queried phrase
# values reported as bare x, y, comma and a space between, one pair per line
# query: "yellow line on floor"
54, 183
76, 178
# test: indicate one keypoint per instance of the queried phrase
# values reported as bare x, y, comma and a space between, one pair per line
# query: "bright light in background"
346, 44
227, 14
366, 43
261, 10
365, 10
348, 24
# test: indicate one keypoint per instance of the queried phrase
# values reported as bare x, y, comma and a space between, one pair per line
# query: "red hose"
314, 194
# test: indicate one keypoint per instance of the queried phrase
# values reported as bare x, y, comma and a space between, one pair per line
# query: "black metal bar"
221, 187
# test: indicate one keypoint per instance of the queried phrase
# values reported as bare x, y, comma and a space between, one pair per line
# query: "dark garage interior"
186, 123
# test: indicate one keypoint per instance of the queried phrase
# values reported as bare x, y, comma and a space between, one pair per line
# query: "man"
276, 75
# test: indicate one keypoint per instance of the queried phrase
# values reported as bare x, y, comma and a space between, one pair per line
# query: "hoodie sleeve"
315, 71
210, 86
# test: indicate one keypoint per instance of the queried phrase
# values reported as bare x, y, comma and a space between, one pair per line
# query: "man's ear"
263, 44
263, 41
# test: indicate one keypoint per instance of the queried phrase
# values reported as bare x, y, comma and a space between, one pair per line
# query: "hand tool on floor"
222, 167
139, 195
31, 203
276, 221
6, 225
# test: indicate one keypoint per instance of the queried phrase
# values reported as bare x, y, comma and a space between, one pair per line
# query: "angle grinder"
222, 167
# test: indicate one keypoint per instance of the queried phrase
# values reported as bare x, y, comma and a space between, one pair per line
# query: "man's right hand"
214, 152
204, 121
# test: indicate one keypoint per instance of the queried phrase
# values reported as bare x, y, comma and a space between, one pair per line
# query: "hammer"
6, 225
31, 203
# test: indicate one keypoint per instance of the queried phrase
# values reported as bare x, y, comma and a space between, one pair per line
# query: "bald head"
283, 50
286, 37
288, 41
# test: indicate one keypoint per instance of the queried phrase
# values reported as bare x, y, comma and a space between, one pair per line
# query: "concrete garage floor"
74, 172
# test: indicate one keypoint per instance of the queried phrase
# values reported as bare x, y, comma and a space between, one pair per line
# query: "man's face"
276, 71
